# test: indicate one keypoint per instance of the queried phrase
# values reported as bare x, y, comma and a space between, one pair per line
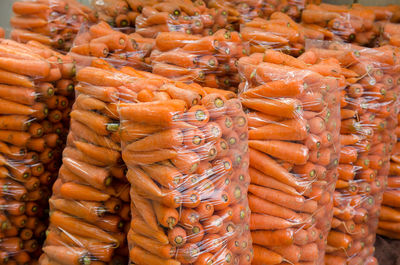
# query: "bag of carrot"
182, 16
210, 61
389, 218
53, 23
186, 151
293, 117
244, 11
280, 32
31, 141
368, 119
90, 205
351, 24
113, 45
117, 13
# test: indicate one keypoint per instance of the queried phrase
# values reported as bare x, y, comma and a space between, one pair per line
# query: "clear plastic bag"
186, 151
35, 92
90, 205
53, 23
369, 116
294, 121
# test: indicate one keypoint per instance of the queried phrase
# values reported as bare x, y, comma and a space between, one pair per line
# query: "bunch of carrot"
31, 76
352, 24
368, 112
89, 208
102, 41
389, 219
210, 61
282, 33
54, 23
293, 118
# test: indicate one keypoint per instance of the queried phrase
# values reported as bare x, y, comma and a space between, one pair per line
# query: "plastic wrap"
351, 24
280, 32
369, 117
186, 151
54, 23
210, 61
293, 117
33, 112
89, 208
113, 45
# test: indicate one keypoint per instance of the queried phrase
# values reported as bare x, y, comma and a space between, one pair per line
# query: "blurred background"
5, 7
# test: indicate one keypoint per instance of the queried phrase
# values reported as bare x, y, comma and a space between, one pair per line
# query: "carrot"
278, 197
140, 227
149, 157
161, 113
290, 253
167, 217
142, 257
14, 122
67, 254
165, 139
287, 130
163, 251
391, 198
275, 89
101, 154
287, 108
96, 176
8, 107
273, 238
339, 240
266, 165
265, 256
298, 154
101, 124
258, 205
143, 182
82, 192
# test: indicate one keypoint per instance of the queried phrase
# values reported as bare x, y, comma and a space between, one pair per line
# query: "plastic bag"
113, 45
293, 117
369, 117
34, 91
54, 23
186, 151
89, 208
210, 61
